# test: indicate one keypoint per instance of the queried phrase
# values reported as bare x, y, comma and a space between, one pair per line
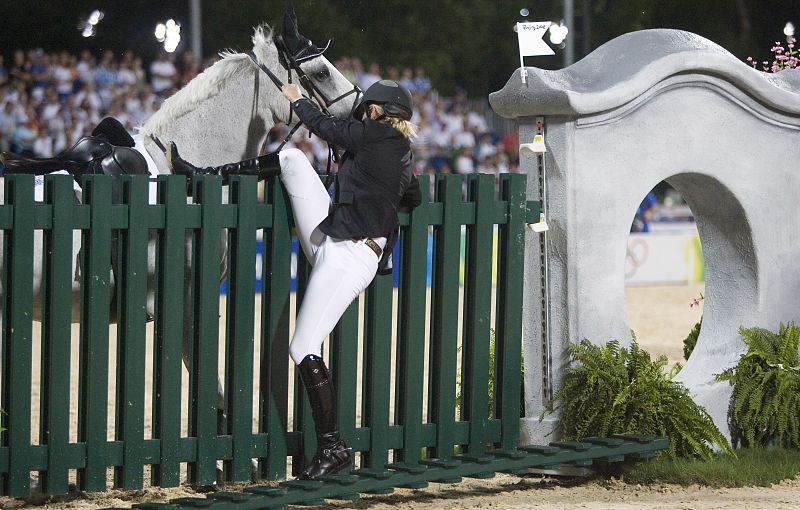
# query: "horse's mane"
208, 83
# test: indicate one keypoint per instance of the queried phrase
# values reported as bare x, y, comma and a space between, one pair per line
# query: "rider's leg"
309, 198
261, 166
343, 269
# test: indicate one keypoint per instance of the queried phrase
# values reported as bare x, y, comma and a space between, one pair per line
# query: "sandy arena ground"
661, 318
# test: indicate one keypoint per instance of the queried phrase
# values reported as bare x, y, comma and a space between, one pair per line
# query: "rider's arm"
344, 133
412, 196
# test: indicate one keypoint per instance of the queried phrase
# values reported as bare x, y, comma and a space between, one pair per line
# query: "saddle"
108, 150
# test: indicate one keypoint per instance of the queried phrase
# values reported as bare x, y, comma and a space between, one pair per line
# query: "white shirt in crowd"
163, 75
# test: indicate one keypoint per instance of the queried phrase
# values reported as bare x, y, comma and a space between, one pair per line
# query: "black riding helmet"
394, 98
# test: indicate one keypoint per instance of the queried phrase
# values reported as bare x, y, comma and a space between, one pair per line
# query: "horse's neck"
228, 126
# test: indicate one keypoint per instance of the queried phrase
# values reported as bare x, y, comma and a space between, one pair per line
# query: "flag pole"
522, 71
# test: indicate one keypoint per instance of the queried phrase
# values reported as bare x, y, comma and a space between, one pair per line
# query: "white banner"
530, 37
668, 258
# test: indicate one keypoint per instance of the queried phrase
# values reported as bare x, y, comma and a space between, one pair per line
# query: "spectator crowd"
49, 100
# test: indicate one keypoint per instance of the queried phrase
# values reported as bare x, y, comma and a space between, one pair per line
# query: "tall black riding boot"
267, 165
12, 163
332, 454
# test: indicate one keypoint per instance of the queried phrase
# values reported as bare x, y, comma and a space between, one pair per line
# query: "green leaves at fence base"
691, 340
765, 405
609, 390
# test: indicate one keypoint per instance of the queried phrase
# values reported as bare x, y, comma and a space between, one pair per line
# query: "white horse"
224, 115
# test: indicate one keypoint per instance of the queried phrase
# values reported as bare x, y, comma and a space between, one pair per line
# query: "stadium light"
87, 26
558, 32
169, 33
95, 17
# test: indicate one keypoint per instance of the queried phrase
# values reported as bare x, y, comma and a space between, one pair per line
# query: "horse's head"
224, 114
306, 61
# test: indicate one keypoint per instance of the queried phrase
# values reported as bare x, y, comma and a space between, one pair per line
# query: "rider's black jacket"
374, 177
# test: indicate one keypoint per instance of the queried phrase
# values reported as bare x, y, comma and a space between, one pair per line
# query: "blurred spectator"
8, 122
392, 74
367, 79
190, 68
85, 67
64, 75
126, 76
407, 79
73, 94
345, 66
358, 70
3, 72
645, 213
87, 97
462, 137
422, 83
163, 74
40, 72
105, 77
464, 162
20, 70
138, 69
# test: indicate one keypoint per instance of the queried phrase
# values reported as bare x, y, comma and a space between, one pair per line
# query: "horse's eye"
323, 73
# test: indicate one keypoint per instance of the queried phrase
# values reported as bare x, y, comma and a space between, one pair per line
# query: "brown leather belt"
373, 245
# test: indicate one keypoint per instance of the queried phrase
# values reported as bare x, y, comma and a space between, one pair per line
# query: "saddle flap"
85, 150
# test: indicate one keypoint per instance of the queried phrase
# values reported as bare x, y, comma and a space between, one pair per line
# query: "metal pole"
569, 20
197, 31
587, 27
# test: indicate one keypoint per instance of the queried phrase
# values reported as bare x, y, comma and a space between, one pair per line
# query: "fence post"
239, 337
377, 371
477, 312
170, 274
56, 319
411, 324
508, 316
95, 309
444, 311
131, 332
17, 333
275, 305
206, 266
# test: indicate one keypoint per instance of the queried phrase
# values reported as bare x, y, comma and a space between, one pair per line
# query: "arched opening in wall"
664, 274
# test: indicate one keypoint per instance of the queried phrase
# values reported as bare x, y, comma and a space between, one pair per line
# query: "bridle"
291, 62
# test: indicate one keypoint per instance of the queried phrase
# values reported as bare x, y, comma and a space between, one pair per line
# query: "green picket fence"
419, 430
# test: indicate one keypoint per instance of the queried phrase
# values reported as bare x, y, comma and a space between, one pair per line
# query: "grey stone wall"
646, 107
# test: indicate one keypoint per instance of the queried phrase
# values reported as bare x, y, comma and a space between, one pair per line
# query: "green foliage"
765, 406
614, 390
691, 340
751, 467
459, 397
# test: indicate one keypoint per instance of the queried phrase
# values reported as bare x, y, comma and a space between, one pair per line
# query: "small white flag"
530, 37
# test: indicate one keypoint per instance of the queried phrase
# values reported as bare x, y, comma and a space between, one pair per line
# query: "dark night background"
467, 43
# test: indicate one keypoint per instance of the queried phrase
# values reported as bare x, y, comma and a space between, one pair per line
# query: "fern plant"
691, 340
765, 405
614, 390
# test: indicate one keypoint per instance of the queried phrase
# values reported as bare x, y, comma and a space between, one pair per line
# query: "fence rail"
438, 342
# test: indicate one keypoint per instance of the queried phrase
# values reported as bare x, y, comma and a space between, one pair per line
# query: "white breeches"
342, 269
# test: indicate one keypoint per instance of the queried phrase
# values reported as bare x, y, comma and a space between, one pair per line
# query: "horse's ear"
290, 30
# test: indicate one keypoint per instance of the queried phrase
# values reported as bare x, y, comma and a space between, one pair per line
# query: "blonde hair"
406, 127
